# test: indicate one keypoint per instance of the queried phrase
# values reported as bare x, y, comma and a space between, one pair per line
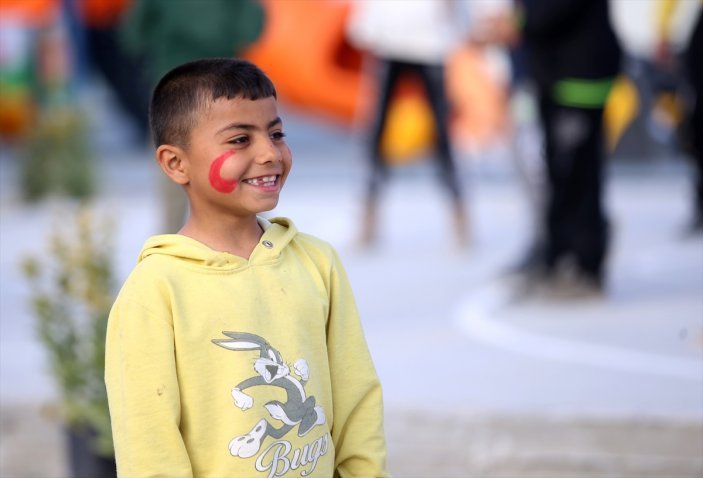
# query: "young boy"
235, 348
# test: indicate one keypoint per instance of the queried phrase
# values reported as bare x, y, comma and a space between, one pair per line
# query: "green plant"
57, 157
71, 298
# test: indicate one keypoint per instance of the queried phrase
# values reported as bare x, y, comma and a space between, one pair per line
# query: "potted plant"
71, 296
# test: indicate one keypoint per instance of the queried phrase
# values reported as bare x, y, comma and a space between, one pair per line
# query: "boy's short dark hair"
181, 94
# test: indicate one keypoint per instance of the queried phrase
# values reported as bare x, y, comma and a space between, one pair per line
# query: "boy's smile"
268, 183
238, 158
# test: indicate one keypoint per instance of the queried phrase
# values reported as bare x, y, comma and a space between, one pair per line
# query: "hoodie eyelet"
267, 244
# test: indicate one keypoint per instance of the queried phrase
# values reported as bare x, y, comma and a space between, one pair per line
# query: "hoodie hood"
278, 232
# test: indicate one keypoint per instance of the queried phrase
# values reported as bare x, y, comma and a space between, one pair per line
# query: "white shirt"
420, 31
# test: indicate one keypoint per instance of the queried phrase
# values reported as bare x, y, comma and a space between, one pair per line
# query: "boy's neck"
238, 236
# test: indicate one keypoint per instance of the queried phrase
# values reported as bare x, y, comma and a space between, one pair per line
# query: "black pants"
694, 66
575, 224
432, 77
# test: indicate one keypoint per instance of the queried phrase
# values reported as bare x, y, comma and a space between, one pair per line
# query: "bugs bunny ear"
236, 344
240, 341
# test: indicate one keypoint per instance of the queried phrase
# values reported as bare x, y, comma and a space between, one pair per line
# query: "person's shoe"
695, 227
461, 226
569, 282
532, 262
563, 282
577, 287
528, 278
369, 224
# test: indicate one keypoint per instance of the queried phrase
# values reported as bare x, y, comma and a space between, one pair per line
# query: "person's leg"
575, 228
588, 239
577, 225
388, 73
697, 126
433, 80
555, 212
694, 65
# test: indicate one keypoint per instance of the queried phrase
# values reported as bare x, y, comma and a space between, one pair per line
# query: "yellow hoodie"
218, 366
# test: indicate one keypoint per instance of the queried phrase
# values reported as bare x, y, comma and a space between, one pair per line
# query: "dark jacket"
569, 39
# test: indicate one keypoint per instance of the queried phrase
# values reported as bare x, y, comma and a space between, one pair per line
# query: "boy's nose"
268, 153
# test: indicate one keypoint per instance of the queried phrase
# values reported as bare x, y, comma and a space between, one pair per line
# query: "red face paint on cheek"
216, 180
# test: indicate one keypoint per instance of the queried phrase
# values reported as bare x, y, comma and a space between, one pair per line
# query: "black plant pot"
84, 462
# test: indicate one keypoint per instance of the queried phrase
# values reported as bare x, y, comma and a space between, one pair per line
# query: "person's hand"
499, 28
664, 54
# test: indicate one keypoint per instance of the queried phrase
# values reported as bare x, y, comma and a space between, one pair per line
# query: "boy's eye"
278, 135
238, 140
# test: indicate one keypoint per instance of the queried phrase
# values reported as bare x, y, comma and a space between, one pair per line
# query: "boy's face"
237, 160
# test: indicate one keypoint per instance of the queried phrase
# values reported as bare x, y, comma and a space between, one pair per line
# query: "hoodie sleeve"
143, 393
358, 403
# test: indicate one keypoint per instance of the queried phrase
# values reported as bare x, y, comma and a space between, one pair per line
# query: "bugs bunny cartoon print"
271, 370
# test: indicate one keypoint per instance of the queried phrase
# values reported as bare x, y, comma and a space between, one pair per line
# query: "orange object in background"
303, 50
621, 108
29, 12
17, 112
102, 13
410, 128
96, 13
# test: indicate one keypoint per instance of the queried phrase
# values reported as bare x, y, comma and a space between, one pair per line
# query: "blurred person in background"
692, 59
573, 57
123, 72
166, 33
410, 37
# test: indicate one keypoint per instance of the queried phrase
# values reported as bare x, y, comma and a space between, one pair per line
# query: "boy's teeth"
265, 181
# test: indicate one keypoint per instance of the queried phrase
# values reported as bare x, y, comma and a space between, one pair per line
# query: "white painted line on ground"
476, 317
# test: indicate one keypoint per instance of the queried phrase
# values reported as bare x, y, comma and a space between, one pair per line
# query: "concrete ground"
445, 446
475, 382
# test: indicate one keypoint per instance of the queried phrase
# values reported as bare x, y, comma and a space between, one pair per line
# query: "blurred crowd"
419, 77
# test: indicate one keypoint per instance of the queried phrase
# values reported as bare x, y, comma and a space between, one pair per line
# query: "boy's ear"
173, 162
